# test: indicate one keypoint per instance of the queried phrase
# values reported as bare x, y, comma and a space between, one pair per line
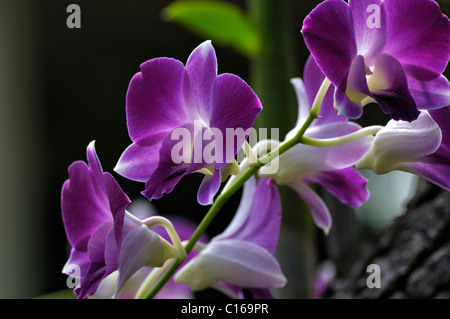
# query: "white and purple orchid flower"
392, 52
242, 257
103, 236
330, 167
167, 98
143, 209
421, 147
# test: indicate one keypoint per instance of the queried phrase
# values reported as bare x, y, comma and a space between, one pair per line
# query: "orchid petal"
141, 247
258, 217
97, 267
202, 70
234, 261
319, 210
138, 162
401, 141
370, 40
418, 35
169, 172
432, 94
346, 184
435, 168
389, 87
345, 106
118, 202
259, 223
234, 110
208, 188
83, 208
156, 99
304, 160
330, 36
442, 118
313, 78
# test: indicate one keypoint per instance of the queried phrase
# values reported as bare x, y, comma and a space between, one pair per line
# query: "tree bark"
413, 254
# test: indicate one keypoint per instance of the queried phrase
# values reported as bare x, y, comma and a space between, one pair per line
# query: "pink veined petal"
319, 210
156, 100
418, 35
202, 70
329, 34
138, 162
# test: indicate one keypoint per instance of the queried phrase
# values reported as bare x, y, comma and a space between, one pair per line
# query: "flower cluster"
185, 119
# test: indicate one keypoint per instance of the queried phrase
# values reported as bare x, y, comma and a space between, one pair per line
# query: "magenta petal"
313, 78
138, 162
169, 172
202, 70
258, 218
319, 210
442, 119
118, 202
345, 106
435, 168
83, 208
418, 36
234, 109
346, 184
348, 103
432, 94
97, 267
156, 99
330, 36
77, 259
208, 188
394, 99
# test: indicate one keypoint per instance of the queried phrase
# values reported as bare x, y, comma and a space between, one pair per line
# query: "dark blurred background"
61, 88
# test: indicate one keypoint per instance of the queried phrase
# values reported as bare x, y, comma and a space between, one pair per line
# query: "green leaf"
219, 21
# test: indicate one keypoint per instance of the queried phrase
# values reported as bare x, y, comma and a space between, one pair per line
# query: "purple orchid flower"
330, 167
392, 52
166, 99
103, 236
242, 256
421, 147
143, 209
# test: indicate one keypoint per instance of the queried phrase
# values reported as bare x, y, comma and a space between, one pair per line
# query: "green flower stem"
336, 141
164, 222
233, 188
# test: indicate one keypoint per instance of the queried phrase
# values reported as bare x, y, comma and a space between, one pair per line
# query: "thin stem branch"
336, 141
